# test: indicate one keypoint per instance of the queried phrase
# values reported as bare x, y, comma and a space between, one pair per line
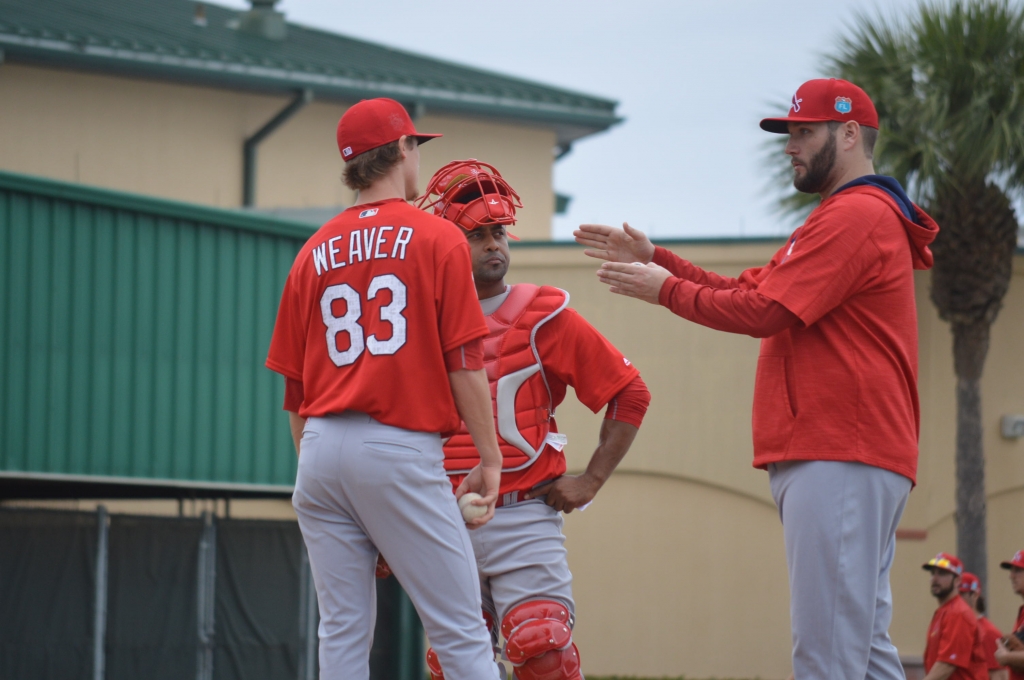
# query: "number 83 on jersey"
349, 323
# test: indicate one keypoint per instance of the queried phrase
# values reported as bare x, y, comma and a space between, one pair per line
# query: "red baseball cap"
969, 583
1016, 561
826, 99
946, 562
372, 123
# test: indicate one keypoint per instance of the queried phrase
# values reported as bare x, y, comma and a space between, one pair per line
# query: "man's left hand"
642, 281
568, 492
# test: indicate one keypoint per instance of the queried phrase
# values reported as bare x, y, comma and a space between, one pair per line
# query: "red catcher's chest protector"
520, 395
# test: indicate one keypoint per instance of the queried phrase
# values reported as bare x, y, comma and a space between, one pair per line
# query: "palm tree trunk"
970, 347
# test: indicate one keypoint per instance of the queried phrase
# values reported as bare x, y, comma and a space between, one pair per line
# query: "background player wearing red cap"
1010, 650
988, 634
379, 338
836, 411
536, 347
952, 649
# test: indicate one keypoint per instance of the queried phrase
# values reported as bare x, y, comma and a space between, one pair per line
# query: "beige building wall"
185, 143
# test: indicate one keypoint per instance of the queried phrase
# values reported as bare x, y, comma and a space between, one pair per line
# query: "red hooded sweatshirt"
837, 374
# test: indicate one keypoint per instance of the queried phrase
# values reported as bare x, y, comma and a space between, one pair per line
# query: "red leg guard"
383, 569
538, 642
434, 666
534, 609
558, 664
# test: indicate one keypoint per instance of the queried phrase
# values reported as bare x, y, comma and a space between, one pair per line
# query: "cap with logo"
373, 123
969, 583
1016, 561
946, 562
826, 99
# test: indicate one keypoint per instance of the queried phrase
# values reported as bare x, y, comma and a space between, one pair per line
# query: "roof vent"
263, 20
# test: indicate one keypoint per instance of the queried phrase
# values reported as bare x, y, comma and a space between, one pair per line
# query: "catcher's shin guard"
538, 641
434, 666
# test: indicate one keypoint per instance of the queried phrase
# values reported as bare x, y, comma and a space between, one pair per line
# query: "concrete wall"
185, 143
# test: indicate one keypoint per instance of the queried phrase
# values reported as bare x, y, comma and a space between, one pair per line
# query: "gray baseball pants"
362, 487
839, 520
521, 556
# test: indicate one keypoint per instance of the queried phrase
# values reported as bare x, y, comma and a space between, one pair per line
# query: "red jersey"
987, 636
952, 639
372, 302
842, 385
573, 353
1014, 673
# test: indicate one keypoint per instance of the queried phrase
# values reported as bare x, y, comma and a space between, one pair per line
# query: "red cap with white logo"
1016, 561
969, 583
372, 123
826, 99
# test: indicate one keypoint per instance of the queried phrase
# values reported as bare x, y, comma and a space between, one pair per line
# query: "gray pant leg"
342, 559
395, 490
884, 663
521, 556
839, 521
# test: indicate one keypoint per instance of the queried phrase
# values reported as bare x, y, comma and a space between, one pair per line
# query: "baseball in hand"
471, 512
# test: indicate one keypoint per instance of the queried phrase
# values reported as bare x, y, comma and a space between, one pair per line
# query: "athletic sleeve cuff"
469, 356
665, 294
630, 404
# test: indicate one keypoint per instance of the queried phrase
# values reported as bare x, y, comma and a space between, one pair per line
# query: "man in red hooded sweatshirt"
836, 412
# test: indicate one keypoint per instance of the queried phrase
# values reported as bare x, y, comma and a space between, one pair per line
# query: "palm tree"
948, 83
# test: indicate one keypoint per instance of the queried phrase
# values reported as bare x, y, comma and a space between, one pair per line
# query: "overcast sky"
693, 79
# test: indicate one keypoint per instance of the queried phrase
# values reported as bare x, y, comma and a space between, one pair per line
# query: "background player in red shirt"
952, 643
537, 346
379, 338
1010, 651
836, 411
988, 634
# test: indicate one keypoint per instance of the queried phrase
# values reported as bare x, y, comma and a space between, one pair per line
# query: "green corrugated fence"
133, 333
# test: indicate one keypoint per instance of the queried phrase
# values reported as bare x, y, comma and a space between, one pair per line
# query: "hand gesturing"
615, 245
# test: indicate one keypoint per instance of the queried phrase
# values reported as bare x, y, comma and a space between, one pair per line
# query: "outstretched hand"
615, 245
641, 281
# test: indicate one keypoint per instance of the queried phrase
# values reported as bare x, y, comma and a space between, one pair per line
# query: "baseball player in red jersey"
536, 346
952, 650
988, 634
1010, 650
836, 412
379, 338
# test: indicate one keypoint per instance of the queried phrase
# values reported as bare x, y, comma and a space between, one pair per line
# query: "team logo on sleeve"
626, 361
368, 213
844, 105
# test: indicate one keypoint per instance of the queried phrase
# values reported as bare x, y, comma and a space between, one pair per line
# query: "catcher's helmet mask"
470, 194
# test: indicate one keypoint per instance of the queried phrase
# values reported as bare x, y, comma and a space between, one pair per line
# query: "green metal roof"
164, 39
